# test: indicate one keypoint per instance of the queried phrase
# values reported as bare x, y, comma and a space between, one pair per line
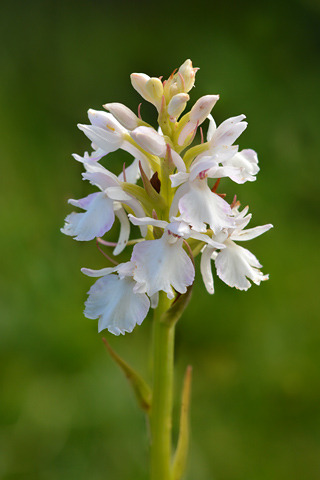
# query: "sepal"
140, 194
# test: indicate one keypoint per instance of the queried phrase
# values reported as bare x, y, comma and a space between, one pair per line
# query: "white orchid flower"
108, 135
235, 265
163, 263
113, 300
101, 209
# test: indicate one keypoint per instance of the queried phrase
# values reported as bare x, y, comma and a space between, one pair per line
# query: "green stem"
161, 410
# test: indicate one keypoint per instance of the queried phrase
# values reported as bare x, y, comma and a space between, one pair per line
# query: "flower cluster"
165, 192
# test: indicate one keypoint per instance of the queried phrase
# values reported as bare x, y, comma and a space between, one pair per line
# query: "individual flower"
113, 301
163, 264
246, 161
101, 208
235, 265
108, 135
227, 132
197, 204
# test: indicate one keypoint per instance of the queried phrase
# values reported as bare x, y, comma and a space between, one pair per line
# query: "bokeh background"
66, 412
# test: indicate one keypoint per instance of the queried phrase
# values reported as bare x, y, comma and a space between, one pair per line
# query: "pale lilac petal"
202, 166
116, 193
147, 221
100, 176
202, 108
212, 127
205, 268
179, 228
85, 202
123, 114
228, 131
235, 265
98, 273
124, 231
149, 140
247, 163
95, 222
119, 309
177, 160
178, 178
139, 81
221, 172
251, 233
154, 300
141, 157
182, 190
95, 156
200, 206
109, 141
187, 130
205, 238
161, 265
106, 121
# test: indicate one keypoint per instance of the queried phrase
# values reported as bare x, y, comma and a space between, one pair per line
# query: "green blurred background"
66, 412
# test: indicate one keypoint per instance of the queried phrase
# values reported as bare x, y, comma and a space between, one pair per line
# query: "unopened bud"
202, 108
149, 140
123, 114
188, 74
177, 104
154, 89
139, 81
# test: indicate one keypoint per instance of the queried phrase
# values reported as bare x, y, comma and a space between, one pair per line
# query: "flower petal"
107, 140
205, 268
161, 264
199, 206
236, 264
119, 309
95, 222
124, 231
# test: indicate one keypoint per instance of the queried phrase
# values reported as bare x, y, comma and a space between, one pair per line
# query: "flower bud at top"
151, 89
188, 73
123, 114
139, 81
177, 104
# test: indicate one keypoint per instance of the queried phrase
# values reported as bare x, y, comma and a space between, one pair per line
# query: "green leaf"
141, 389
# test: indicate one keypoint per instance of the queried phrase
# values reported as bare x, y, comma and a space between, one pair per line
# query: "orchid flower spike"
172, 190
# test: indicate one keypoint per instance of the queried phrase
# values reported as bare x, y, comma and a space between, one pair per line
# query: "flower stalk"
162, 394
